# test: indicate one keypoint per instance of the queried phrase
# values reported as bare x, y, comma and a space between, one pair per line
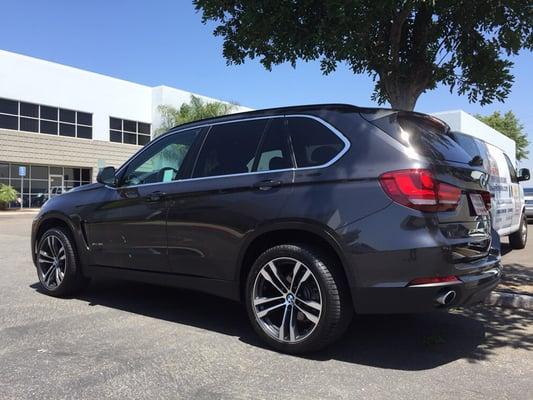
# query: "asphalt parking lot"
129, 340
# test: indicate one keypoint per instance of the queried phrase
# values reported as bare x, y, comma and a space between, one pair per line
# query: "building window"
130, 132
42, 181
29, 117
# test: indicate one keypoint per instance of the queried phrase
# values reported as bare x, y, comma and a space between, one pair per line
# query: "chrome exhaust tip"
446, 298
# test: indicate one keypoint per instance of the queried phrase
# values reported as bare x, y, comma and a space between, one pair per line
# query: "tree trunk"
402, 100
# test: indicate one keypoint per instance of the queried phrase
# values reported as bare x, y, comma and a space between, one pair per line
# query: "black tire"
518, 239
73, 280
336, 305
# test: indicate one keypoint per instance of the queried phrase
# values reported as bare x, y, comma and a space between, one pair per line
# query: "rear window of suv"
428, 136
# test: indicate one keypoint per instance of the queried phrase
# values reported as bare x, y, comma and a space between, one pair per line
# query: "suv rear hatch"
453, 186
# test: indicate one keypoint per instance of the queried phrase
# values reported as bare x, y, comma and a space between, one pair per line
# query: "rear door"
242, 178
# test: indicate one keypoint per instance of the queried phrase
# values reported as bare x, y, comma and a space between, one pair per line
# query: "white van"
508, 205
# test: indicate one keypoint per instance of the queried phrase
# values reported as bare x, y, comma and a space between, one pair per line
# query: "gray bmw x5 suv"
304, 214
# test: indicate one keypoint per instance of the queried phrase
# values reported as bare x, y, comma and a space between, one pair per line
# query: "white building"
63, 123
461, 121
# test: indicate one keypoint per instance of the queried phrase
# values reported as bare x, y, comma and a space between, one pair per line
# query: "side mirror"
523, 174
107, 176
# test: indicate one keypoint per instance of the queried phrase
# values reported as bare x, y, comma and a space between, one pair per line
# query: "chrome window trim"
347, 145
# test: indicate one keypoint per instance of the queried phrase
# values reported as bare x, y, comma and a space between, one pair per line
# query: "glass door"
56, 185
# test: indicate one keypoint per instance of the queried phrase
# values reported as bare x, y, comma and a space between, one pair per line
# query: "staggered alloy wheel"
296, 300
518, 240
57, 264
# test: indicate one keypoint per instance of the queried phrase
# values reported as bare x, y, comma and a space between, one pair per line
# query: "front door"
128, 228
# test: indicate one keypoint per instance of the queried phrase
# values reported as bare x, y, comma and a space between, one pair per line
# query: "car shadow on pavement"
404, 342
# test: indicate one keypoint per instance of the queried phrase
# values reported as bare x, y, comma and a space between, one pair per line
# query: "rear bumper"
474, 288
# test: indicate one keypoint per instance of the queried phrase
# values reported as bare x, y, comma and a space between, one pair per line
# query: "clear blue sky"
164, 42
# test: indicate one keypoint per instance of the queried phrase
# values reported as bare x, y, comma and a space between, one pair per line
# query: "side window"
162, 161
230, 148
313, 143
275, 153
512, 170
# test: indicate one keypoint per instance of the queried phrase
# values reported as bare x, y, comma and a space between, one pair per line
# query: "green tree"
194, 110
7, 195
511, 127
407, 46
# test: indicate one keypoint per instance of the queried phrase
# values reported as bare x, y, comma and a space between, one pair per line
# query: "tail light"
435, 281
418, 189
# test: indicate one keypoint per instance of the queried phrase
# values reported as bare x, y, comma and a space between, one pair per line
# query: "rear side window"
275, 152
313, 143
230, 148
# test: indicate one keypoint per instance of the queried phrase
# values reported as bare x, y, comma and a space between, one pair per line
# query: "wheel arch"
289, 232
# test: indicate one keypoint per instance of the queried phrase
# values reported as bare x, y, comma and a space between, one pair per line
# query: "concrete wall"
466, 123
22, 147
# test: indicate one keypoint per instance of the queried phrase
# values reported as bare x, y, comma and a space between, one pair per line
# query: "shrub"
7, 195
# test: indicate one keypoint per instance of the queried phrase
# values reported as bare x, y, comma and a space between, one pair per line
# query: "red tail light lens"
418, 189
434, 280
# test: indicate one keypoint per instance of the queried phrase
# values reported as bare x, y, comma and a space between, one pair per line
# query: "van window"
313, 143
512, 170
230, 148
275, 153
162, 161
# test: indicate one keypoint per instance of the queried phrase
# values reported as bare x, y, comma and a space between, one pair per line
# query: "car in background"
508, 210
528, 197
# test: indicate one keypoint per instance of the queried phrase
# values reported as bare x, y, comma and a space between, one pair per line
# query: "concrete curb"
510, 300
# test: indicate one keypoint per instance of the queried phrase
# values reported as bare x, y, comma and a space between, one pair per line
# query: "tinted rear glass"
428, 136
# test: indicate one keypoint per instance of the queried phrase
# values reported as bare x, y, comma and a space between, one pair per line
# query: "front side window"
512, 170
313, 143
230, 148
161, 162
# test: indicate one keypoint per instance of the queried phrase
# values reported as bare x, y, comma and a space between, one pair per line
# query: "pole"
21, 191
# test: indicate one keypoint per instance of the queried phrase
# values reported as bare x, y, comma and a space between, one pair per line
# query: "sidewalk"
18, 211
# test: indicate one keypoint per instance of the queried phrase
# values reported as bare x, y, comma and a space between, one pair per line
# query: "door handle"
267, 184
155, 196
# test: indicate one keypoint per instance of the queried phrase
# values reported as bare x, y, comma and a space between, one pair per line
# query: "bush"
7, 195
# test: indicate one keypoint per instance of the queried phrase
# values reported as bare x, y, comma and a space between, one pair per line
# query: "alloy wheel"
52, 262
287, 300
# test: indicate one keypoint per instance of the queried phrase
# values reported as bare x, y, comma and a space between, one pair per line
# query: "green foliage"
511, 127
7, 195
194, 110
407, 46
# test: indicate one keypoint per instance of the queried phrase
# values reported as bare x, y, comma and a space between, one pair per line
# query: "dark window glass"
467, 143
49, 127
39, 172
161, 162
68, 174
130, 138
49, 113
67, 130
77, 174
512, 170
4, 171
86, 174
9, 106
143, 140
130, 126
39, 186
29, 124
67, 115
85, 132
115, 123
275, 152
115, 136
8, 122
15, 172
229, 148
29, 110
56, 171
4, 181
85, 118
144, 128
313, 143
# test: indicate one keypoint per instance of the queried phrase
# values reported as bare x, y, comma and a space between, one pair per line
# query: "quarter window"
162, 161
313, 143
230, 148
